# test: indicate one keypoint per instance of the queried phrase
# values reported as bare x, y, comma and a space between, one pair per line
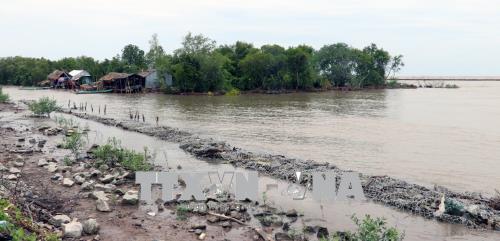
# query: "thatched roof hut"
122, 82
56, 74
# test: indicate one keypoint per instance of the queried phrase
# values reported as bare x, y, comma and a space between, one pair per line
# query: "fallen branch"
257, 230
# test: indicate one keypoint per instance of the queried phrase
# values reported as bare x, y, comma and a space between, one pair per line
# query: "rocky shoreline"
470, 209
79, 199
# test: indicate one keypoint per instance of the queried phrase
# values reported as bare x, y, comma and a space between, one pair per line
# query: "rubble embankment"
470, 209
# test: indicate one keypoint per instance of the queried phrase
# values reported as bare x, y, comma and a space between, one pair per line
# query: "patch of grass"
19, 227
3, 97
43, 106
65, 123
181, 211
75, 143
369, 229
112, 153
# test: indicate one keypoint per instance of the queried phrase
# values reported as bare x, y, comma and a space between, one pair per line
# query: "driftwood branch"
257, 230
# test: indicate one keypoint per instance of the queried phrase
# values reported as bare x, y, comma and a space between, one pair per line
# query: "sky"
438, 37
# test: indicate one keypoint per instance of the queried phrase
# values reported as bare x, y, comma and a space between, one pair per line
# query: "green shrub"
3, 97
15, 220
369, 229
233, 92
112, 153
44, 106
75, 143
65, 123
181, 211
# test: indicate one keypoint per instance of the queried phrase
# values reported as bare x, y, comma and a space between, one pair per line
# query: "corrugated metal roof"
79, 72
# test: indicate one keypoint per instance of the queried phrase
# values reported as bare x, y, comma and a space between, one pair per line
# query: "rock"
107, 178
19, 158
42, 143
291, 213
57, 177
226, 224
14, 170
95, 173
12, 177
42, 163
198, 231
473, 210
213, 219
64, 168
73, 229
79, 179
68, 182
59, 220
18, 164
198, 226
99, 195
90, 226
102, 205
282, 237
43, 128
235, 214
52, 167
322, 232
131, 197
104, 167
22, 139
3, 168
87, 186
109, 188
202, 236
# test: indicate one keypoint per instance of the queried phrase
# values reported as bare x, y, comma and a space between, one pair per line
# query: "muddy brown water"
428, 136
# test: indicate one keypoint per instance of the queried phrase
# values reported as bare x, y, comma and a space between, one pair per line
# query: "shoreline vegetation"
203, 66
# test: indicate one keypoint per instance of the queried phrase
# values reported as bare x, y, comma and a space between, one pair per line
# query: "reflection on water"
429, 136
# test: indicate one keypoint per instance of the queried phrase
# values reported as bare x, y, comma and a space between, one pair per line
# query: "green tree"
300, 67
133, 58
196, 44
155, 52
336, 63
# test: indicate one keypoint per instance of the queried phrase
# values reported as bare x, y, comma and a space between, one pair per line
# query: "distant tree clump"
200, 65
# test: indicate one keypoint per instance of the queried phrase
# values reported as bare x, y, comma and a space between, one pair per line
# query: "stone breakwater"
470, 209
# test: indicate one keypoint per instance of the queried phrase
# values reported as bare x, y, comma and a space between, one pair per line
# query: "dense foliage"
43, 106
200, 65
368, 229
17, 226
112, 153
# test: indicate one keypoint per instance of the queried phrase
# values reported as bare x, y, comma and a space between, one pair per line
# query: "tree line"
201, 65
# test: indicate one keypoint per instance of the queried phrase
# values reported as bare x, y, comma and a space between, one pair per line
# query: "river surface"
449, 137
428, 136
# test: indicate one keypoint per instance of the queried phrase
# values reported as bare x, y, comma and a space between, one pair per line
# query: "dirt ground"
124, 222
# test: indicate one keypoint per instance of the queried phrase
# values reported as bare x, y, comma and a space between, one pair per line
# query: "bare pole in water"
92, 108
69, 104
104, 109
157, 120
143, 119
99, 109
